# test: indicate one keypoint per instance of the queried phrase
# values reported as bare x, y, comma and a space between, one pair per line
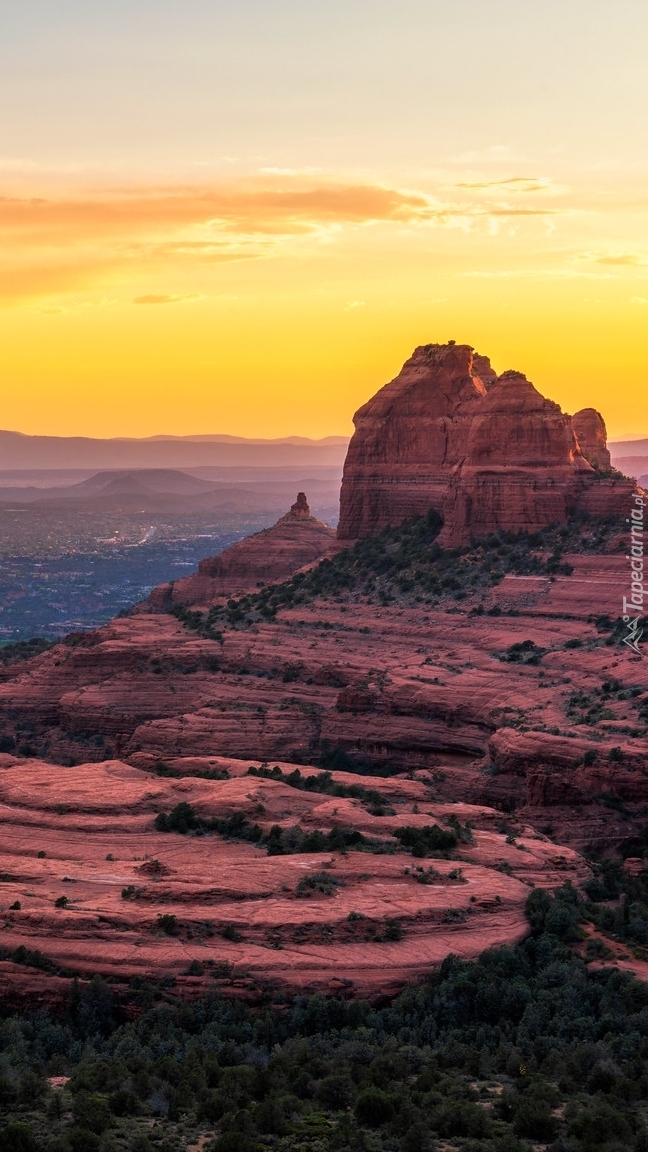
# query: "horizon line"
193, 437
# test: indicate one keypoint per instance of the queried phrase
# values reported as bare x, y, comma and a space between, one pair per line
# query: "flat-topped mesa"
295, 541
485, 451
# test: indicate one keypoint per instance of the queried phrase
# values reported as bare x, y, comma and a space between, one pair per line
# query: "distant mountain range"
631, 458
21, 452
158, 490
63, 462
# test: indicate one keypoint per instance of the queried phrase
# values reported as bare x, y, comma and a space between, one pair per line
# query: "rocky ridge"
295, 541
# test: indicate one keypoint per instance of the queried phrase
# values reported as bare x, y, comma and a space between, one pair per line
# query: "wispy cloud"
494, 154
309, 171
55, 244
627, 260
242, 210
52, 244
512, 184
515, 273
152, 298
508, 210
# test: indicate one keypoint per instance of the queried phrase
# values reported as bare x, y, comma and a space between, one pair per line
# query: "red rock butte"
295, 541
485, 451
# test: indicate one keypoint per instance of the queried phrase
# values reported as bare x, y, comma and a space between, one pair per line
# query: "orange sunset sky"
242, 217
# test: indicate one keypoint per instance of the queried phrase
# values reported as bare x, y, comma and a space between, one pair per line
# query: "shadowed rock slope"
297, 539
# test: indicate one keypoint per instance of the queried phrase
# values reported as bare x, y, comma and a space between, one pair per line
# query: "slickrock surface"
486, 452
407, 686
103, 840
295, 541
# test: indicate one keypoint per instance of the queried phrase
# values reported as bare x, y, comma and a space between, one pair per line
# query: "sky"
241, 217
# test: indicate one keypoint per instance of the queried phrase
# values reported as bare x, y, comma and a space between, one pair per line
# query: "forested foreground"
525, 1047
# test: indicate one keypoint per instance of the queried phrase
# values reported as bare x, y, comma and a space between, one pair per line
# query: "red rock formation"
103, 843
295, 541
408, 685
591, 433
486, 452
420, 687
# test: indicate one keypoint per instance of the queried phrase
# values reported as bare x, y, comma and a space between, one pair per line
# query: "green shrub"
533, 1119
168, 923
181, 819
428, 841
336, 1092
230, 932
374, 1108
124, 1102
141, 1143
270, 1117
598, 1123
233, 1142
318, 882
393, 930
417, 1139
319, 782
82, 1140
90, 1112
18, 1137
524, 652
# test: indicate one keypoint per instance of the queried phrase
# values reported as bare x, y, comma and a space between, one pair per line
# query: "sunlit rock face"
591, 433
484, 451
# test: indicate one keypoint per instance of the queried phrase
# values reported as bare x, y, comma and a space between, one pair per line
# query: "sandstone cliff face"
486, 452
296, 540
591, 433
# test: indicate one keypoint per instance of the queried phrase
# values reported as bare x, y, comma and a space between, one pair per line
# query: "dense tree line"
526, 1046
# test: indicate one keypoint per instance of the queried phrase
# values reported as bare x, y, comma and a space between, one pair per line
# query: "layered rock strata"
108, 728
295, 541
485, 451
101, 851
405, 686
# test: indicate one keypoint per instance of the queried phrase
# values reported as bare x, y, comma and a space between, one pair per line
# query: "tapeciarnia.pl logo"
633, 607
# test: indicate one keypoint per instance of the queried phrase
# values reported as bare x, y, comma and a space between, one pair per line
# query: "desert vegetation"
322, 782
525, 1047
276, 840
405, 563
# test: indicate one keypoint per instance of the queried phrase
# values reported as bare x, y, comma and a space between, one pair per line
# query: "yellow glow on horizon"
278, 304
